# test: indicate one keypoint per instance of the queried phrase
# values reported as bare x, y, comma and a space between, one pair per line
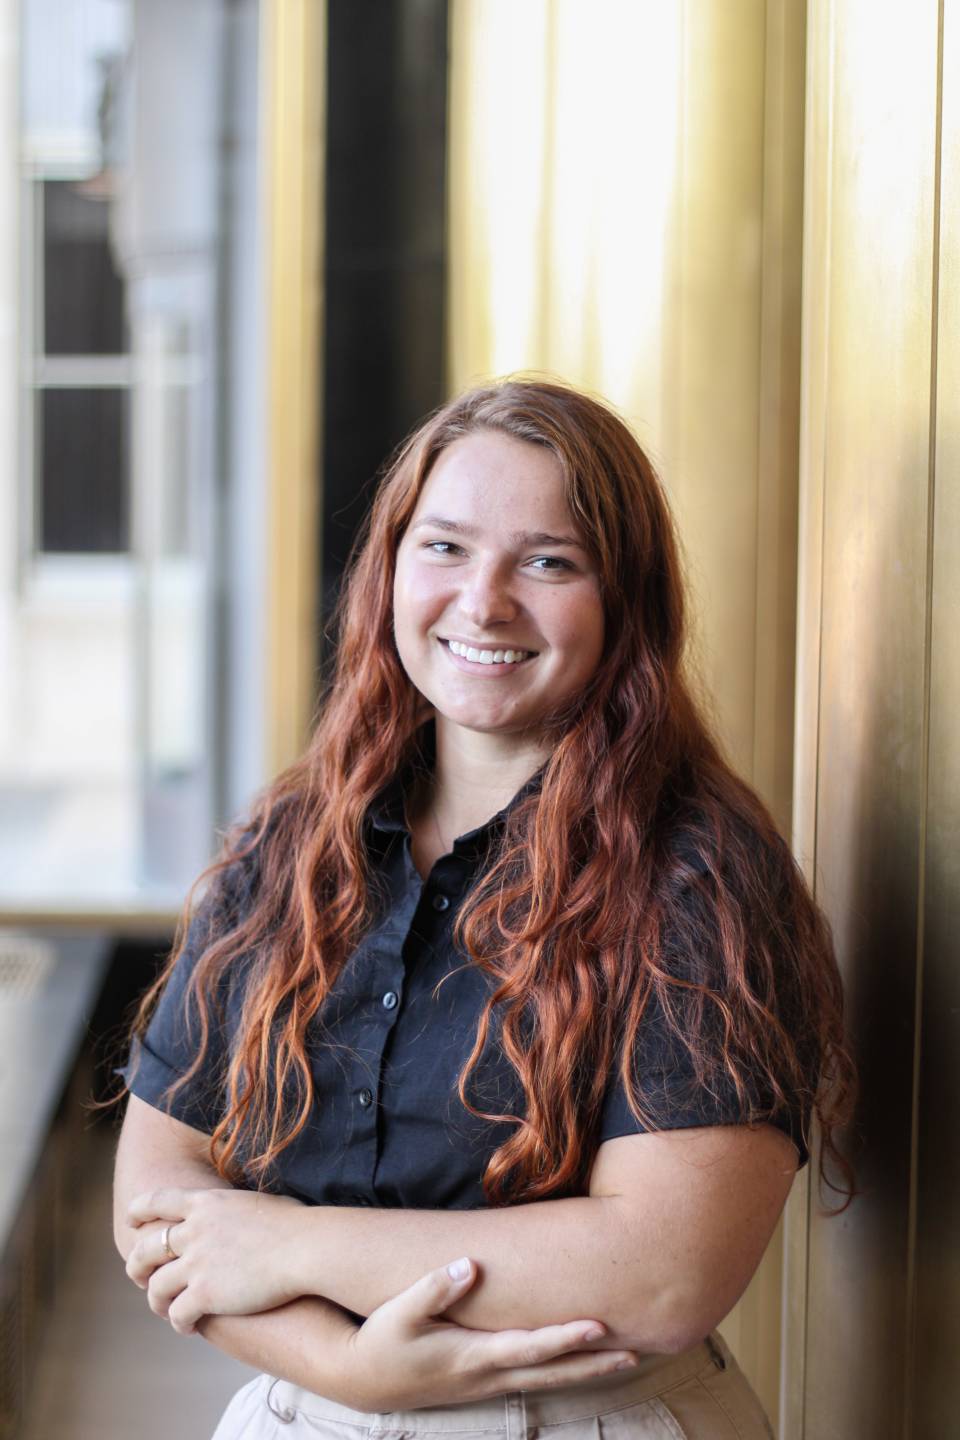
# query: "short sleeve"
665, 1077
173, 1038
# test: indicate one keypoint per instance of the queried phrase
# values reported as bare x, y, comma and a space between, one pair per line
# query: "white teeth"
487, 657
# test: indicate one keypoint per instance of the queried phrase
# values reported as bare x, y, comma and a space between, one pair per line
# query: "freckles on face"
497, 609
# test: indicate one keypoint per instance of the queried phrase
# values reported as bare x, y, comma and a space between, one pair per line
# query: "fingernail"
458, 1269
630, 1363
595, 1334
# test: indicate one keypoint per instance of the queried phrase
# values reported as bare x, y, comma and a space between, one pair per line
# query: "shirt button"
440, 902
390, 1000
366, 1098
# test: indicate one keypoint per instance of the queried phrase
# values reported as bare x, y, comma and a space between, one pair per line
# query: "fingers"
169, 1204
550, 1356
164, 1285
171, 1296
166, 1282
184, 1312
149, 1253
434, 1293
566, 1370
511, 1349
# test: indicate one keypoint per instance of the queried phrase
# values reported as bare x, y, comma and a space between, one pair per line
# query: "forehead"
497, 481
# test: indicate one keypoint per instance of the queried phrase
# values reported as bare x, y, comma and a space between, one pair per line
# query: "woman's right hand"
405, 1356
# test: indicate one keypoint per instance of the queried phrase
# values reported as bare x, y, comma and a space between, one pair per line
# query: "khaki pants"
699, 1395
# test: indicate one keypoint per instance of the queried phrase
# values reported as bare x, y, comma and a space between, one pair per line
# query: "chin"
483, 724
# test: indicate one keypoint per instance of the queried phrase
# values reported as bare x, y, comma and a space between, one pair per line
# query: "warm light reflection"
614, 167
500, 179
563, 182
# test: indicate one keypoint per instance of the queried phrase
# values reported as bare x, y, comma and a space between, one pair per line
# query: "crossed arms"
653, 1257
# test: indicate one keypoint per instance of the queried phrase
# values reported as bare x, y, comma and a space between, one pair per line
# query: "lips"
491, 669
487, 644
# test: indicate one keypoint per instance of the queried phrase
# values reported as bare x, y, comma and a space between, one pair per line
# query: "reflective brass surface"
816, 244
876, 781
934, 1386
292, 69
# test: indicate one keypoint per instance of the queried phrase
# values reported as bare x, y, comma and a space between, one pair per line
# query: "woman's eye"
546, 564
551, 560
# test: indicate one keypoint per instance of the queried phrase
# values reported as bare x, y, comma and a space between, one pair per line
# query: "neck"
475, 774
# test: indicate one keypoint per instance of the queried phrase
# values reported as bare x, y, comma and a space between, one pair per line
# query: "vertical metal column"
873, 1297
292, 57
934, 1390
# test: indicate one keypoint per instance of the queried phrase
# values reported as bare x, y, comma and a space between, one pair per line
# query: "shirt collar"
386, 810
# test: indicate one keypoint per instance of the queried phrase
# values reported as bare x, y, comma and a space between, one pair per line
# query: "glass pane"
83, 302
142, 443
82, 445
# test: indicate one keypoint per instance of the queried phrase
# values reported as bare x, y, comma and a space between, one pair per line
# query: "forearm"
303, 1342
539, 1264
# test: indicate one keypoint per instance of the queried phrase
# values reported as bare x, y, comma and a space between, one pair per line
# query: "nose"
486, 598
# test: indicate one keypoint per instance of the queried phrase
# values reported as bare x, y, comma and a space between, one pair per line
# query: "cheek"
417, 597
580, 628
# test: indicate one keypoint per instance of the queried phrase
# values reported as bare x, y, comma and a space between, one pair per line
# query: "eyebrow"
517, 537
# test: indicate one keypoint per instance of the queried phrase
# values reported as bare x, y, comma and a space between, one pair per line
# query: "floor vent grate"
25, 963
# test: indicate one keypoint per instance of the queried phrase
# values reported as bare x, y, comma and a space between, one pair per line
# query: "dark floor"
109, 1369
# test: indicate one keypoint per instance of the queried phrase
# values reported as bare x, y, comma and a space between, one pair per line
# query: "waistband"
514, 1412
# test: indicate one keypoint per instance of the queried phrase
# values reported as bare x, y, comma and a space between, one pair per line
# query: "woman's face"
492, 562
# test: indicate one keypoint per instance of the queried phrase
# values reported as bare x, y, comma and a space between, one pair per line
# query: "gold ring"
165, 1242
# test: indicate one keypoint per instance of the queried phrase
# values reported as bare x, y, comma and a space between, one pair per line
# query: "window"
78, 454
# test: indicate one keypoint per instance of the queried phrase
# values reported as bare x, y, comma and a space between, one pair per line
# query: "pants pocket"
245, 1415
717, 1404
650, 1420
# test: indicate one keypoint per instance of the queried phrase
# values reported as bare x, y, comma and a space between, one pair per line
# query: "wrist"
344, 1374
304, 1342
294, 1250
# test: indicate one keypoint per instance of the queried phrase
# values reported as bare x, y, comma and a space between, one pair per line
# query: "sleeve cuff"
625, 1124
149, 1077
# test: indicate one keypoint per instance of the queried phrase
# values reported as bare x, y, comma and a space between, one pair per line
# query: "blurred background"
244, 246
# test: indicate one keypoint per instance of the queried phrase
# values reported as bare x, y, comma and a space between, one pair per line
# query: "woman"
509, 971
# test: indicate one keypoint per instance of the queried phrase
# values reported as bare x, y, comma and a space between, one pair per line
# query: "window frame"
48, 571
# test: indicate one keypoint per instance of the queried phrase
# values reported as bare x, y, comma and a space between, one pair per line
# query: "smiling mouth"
501, 658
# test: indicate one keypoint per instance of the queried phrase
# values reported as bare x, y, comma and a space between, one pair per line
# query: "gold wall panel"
934, 1388
292, 68
813, 409
869, 340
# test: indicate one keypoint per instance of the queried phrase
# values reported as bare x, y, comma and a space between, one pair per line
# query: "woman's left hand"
234, 1253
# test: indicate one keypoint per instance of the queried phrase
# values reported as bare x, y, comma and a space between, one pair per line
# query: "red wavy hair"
584, 917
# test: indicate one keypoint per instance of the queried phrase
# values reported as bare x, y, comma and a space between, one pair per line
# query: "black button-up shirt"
388, 1127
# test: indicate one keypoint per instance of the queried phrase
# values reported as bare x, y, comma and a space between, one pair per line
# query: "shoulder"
737, 852
251, 855
726, 839
222, 906
738, 923
726, 892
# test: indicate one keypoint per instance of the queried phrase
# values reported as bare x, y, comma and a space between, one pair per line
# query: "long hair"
644, 875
